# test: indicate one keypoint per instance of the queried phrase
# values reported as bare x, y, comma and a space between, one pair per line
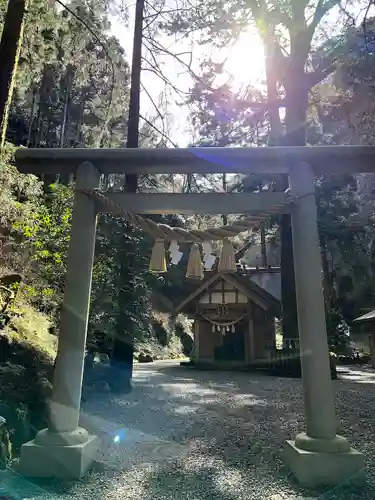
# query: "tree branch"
155, 69
320, 11
150, 124
320, 74
158, 47
154, 104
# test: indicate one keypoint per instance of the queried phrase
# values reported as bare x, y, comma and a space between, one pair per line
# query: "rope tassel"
158, 262
227, 261
195, 265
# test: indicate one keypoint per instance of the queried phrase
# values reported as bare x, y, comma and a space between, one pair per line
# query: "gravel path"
189, 435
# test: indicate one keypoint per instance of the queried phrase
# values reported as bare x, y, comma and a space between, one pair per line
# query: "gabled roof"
366, 318
244, 284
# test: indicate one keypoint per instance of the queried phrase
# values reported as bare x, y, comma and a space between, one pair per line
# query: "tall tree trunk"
295, 123
263, 245
224, 183
326, 279
40, 132
288, 284
69, 76
272, 93
78, 131
288, 287
123, 349
10, 47
68, 89
32, 116
42, 112
135, 90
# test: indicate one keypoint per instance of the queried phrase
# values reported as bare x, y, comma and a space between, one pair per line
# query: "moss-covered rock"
5, 444
25, 387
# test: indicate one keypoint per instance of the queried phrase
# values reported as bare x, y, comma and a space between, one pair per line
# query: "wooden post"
372, 348
263, 245
196, 340
251, 341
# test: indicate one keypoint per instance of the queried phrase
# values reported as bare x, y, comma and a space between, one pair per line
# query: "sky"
253, 73
180, 132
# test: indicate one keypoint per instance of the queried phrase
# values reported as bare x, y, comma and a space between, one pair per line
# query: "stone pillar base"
314, 469
61, 462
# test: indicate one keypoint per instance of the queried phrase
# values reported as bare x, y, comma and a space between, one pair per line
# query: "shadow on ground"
187, 434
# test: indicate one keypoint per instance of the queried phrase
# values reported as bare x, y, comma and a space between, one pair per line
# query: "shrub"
290, 366
27, 350
355, 359
25, 374
183, 332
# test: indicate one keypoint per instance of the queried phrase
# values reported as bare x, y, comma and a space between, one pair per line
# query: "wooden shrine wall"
258, 330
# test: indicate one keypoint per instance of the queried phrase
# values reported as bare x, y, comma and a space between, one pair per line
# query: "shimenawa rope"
167, 233
162, 233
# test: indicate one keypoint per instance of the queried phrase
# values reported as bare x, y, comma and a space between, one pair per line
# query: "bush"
25, 374
161, 333
183, 332
290, 366
354, 359
337, 330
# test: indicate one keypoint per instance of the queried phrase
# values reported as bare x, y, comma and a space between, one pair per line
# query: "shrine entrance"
234, 320
232, 347
317, 456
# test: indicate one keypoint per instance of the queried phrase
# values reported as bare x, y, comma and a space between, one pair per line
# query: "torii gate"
317, 456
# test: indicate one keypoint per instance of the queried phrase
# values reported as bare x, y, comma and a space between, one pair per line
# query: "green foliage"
67, 96
72, 90
220, 114
285, 365
26, 361
340, 112
5, 446
121, 261
337, 330
343, 108
45, 237
296, 61
25, 374
18, 192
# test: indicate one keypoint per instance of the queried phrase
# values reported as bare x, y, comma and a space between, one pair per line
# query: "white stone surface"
314, 470
58, 462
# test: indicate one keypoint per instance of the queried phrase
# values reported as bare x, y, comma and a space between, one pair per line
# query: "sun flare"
245, 60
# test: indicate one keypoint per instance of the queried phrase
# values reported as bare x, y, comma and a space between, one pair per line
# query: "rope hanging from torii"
162, 233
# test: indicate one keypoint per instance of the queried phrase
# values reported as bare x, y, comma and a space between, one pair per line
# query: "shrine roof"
366, 318
242, 282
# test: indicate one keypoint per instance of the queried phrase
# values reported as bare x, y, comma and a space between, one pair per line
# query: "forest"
72, 89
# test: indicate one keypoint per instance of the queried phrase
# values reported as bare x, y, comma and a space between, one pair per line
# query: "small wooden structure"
234, 320
368, 319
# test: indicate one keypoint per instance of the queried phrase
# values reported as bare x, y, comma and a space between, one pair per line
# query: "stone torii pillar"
65, 450
318, 456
